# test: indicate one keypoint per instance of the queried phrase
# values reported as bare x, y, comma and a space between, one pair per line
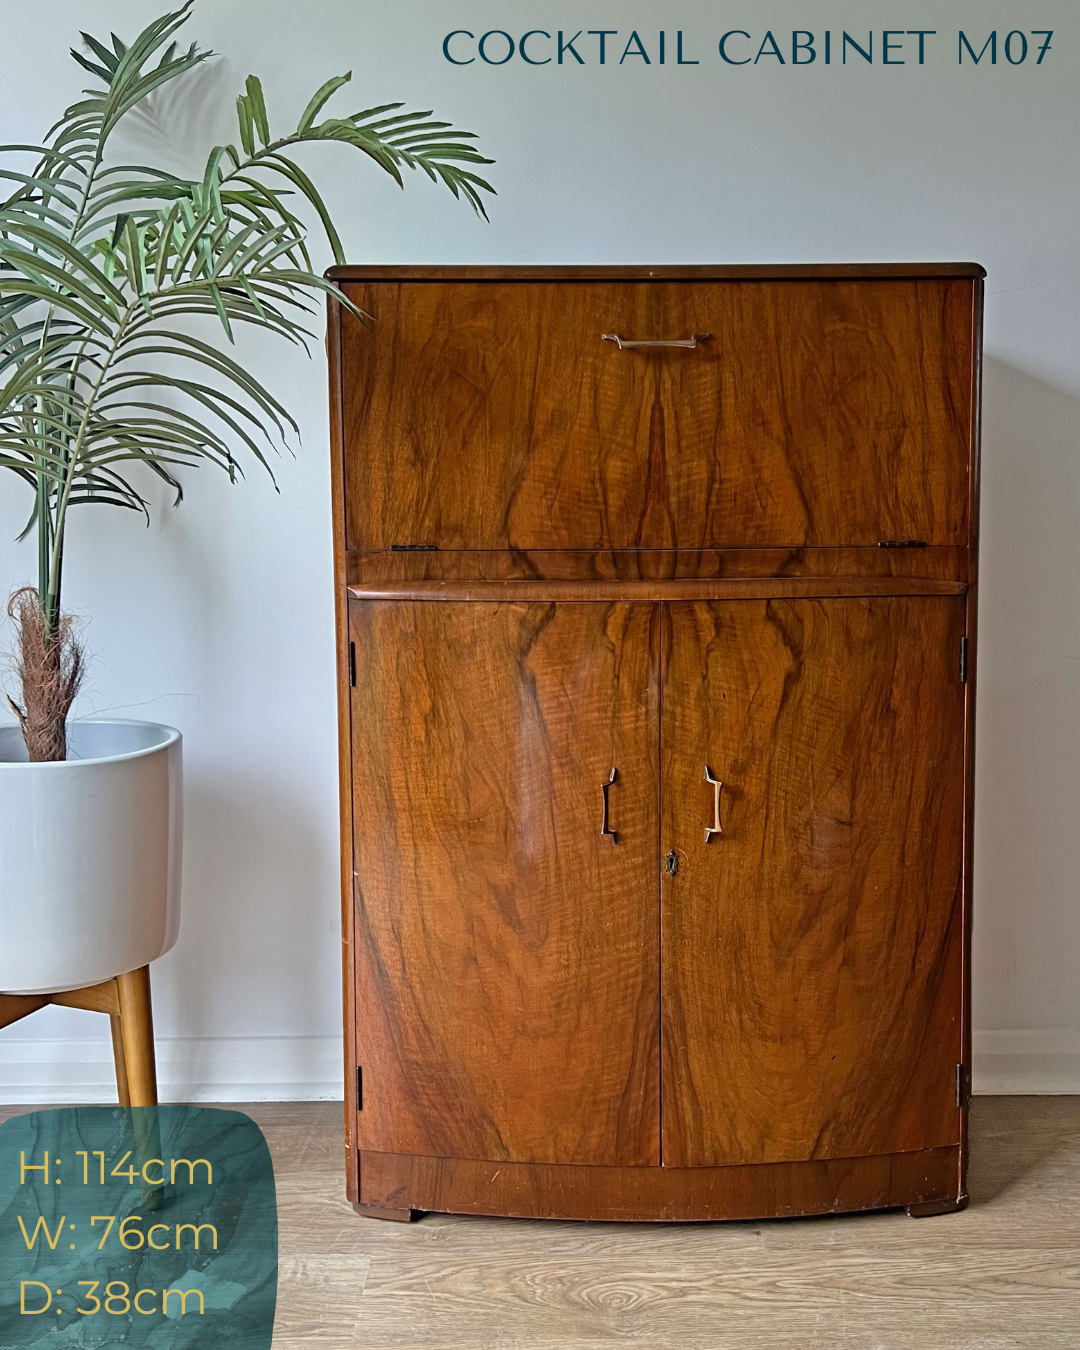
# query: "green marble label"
136, 1226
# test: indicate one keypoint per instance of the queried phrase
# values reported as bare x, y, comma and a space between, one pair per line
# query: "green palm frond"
103, 267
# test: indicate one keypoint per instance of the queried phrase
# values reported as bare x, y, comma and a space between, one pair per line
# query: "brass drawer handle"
717, 786
623, 343
605, 824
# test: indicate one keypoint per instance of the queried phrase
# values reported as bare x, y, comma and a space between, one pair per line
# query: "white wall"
218, 618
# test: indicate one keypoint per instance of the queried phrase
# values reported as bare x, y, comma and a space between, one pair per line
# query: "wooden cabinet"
657, 678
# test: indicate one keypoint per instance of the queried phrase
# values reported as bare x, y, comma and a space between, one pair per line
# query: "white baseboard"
226, 1069
309, 1068
1026, 1062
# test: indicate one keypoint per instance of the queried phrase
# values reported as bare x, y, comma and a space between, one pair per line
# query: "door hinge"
963, 660
962, 1091
901, 543
359, 1088
352, 665
414, 548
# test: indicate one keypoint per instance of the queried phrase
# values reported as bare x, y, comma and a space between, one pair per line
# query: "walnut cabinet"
656, 597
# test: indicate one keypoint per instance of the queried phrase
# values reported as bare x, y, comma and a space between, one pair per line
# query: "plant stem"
42, 511
49, 533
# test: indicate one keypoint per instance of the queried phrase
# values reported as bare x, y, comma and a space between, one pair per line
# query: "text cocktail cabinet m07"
656, 597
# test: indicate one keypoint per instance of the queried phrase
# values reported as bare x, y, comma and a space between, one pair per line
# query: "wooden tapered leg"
123, 1096
138, 1036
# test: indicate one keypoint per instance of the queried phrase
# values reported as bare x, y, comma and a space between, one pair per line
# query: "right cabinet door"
812, 950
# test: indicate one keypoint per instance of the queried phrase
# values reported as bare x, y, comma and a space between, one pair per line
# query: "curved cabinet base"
926, 1182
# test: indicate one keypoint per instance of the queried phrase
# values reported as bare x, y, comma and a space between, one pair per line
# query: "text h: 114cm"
610, 46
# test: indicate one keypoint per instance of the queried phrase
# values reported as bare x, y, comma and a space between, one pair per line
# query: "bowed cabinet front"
656, 866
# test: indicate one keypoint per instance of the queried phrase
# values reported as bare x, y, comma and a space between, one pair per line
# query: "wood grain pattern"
490, 415
605, 592
812, 953
1002, 1275
506, 953
834, 406
655, 1194
843, 1299
943, 562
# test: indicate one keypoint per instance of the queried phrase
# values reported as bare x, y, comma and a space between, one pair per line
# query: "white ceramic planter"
89, 855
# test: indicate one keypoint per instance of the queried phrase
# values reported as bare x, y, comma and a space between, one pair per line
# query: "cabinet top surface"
677, 272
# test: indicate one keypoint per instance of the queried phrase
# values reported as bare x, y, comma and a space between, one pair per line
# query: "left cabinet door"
506, 951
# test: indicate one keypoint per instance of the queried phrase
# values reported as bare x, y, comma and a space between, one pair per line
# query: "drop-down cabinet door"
505, 809
813, 798
519, 415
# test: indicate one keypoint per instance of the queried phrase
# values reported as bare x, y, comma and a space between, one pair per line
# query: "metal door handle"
717, 786
622, 343
604, 828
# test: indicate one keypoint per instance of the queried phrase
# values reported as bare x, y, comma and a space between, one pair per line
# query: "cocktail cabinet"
656, 613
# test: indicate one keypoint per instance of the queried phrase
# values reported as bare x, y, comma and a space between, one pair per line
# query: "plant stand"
126, 999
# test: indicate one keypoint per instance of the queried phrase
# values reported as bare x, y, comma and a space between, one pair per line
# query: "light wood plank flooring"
1004, 1275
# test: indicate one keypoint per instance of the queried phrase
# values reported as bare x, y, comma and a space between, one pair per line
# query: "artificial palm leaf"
103, 266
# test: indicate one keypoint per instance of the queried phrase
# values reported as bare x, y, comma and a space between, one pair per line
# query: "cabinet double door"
644, 884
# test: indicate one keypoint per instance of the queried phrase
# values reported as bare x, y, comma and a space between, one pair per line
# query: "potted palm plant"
121, 288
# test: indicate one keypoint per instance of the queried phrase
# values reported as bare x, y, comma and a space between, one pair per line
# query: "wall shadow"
1027, 845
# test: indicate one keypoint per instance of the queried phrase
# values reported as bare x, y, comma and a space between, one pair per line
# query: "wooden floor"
1003, 1274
